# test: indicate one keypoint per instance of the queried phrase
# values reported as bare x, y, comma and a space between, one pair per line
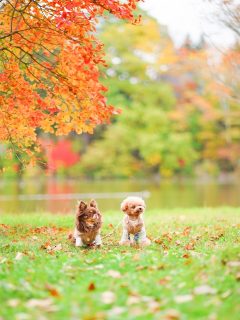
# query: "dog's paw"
78, 242
125, 243
78, 245
146, 242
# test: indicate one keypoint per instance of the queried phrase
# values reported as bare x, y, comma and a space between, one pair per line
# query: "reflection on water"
163, 195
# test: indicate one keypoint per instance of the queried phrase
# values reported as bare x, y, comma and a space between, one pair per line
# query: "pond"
60, 196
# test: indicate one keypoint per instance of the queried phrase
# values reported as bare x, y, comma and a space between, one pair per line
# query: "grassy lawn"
191, 271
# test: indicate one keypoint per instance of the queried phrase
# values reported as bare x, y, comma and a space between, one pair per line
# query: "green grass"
193, 248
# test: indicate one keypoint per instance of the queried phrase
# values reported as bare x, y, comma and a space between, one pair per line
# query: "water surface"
181, 194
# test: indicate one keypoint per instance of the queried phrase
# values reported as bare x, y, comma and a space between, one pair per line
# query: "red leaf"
91, 287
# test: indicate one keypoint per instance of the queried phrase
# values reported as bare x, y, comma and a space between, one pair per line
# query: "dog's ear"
81, 206
93, 203
124, 206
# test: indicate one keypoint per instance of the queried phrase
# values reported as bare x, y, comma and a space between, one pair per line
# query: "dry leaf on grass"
204, 289
2, 260
164, 280
189, 246
171, 314
91, 286
53, 291
51, 248
183, 298
238, 276
226, 294
133, 299
20, 316
58, 247
233, 264
108, 297
114, 274
136, 257
13, 303
116, 311
43, 304
186, 231
19, 256
152, 305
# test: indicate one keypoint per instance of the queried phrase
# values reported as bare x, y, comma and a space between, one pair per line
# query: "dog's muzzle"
139, 209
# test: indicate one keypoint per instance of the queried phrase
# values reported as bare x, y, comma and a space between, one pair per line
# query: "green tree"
144, 140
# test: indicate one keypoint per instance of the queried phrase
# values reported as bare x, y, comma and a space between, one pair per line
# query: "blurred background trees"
180, 110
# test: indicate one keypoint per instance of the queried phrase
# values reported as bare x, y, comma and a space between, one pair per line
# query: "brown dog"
88, 224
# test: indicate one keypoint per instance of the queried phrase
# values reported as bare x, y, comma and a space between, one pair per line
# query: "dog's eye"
133, 207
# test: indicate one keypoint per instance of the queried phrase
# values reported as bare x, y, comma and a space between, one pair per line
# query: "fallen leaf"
114, 274
91, 286
51, 248
133, 299
178, 242
137, 311
233, 264
53, 291
45, 245
108, 297
13, 303
158, 241
152, 304
183, 298
136, 257
204, 289
189, 246
44, 304
58, 247
172, 314
19, 256
164, 281
2, 260
140, 268
116, 311
20, 316
226, 294
186, 231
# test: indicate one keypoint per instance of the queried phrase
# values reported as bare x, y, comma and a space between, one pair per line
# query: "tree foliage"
181, 107
228, 14
49, 67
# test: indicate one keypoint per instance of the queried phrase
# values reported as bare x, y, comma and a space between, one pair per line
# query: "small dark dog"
88, 224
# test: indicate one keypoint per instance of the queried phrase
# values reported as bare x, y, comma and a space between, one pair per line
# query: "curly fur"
87, 224
133, 223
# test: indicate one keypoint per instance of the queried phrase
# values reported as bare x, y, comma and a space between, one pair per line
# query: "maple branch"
35, 60
27, 5
12, 17
11, 139
38, 44
97, 3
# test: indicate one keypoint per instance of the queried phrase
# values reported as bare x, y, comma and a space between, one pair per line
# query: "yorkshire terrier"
87, 225
133, 223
